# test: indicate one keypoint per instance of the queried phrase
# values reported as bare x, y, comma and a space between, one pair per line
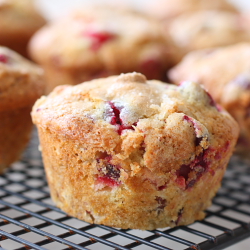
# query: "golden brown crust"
224, 72
131, 153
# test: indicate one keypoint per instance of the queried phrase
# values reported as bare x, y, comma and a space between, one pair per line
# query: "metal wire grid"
29, 220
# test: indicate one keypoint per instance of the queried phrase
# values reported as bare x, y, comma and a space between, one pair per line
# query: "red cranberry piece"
196, 128
221, 152
181, 181
213, 103
107, 181
112, 171
162, 202
104, 156
109, 173
198, 166
184, 171
3, 58
160, 188
116, 119
179, 216
99, 38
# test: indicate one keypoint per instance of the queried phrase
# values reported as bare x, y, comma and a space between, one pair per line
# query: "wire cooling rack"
29, 219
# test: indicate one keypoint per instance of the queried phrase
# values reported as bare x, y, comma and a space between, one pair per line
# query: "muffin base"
15, 130
136, 204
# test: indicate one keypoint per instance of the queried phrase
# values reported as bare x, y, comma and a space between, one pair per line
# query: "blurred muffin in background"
18, 21
225, 73
21, 84
93, 43
205, 29
168, 9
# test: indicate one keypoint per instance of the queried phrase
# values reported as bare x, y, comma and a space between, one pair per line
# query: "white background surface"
55, 8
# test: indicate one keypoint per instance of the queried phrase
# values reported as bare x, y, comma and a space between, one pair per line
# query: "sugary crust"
18, 21
205, 29
224, 72
169, 9
156, 162
97, 43
21, 81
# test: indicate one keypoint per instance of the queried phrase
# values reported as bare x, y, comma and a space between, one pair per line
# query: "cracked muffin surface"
131, 153
225, 73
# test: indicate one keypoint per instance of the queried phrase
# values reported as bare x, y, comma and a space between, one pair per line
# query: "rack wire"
29, 219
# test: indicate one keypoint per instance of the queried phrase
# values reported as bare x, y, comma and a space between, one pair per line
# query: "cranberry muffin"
225, 73
169, 9
18, 22
21, 84
95, 43
205, 29
131, 153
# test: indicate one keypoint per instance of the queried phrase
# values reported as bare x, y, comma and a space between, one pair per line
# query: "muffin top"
94, 38
223, 71
120, 113
168, 9
21, 82
204, 29
19, 18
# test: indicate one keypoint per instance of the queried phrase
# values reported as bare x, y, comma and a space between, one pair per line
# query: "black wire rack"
29, 219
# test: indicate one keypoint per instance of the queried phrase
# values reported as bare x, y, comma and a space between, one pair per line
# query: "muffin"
131, 153
225, 73
169, 9
205, 29
18, 22
21, 84
97, 43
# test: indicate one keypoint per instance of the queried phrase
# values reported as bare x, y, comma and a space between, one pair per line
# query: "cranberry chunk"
198, 166
184, 171
162, 202
197, 129
179, 216
213, 103
3, 58
99, 38
107, 181
115, 119
160, 188
111, 171
109, 174
221, 152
